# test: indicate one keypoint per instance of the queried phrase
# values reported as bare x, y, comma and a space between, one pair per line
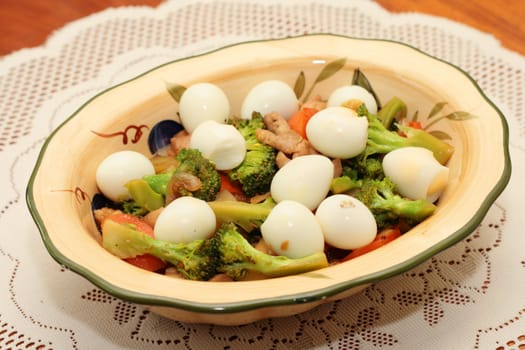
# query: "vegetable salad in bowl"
284, 187
275, 164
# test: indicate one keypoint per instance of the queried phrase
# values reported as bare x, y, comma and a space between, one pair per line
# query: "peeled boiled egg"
292, 230
221, 143
338, 132
201, 102
353, 92
270, 96
416, 173
119, 168
184, 220
305, 179
346, 222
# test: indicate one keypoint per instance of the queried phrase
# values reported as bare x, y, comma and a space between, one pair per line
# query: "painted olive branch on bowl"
453, 116
359, 78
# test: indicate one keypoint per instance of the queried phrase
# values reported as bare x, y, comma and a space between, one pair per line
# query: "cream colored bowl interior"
63, 183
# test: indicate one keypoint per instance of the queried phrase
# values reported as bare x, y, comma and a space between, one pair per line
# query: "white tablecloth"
471, 296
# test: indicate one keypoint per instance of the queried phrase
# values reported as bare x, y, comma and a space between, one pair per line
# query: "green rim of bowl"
313, 296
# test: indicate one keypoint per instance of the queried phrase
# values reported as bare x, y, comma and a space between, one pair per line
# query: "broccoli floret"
194, 176
133, 208
256, 171
193, 162
246, 215
382, 140
197, 260
388, 206
355, 171
363, 168
238, 257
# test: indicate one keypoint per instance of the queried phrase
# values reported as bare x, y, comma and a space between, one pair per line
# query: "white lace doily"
471, 296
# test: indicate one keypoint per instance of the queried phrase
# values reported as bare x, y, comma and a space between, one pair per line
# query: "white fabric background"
471, 296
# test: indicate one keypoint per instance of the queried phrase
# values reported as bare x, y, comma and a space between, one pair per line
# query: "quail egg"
201, 102
117, 169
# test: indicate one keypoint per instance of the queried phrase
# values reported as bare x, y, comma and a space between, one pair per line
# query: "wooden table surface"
27, 23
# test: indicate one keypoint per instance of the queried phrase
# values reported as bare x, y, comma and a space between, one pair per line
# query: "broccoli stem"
343, 184
416, 210
382, 140
394, 110
247, 215
420, 138
275, 266
238, 256
144, 196
159, 182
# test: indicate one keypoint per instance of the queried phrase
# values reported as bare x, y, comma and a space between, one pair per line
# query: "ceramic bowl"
62, 187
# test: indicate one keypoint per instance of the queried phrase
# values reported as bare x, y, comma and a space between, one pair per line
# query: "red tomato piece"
382, 238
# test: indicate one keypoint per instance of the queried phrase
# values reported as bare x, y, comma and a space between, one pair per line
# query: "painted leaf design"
459, 116
436, 109
300, 83
175, 90
327, 71
440, 135
330, 69
360, 79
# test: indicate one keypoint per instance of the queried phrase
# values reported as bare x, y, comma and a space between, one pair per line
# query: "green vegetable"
246, 215
144, 196
360, 168
382, 140
226, 252
365, 180
345, 184
238, 256
159, 182
355, 171
131, 207
394, 110
255, 173
194, 176
197, 260
388, 206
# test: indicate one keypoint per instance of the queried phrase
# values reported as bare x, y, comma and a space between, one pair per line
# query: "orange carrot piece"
298, 121
415, 124
231, 186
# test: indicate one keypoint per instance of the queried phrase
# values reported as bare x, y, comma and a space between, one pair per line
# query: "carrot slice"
229, 185
415, 124
298, 121
382, 238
